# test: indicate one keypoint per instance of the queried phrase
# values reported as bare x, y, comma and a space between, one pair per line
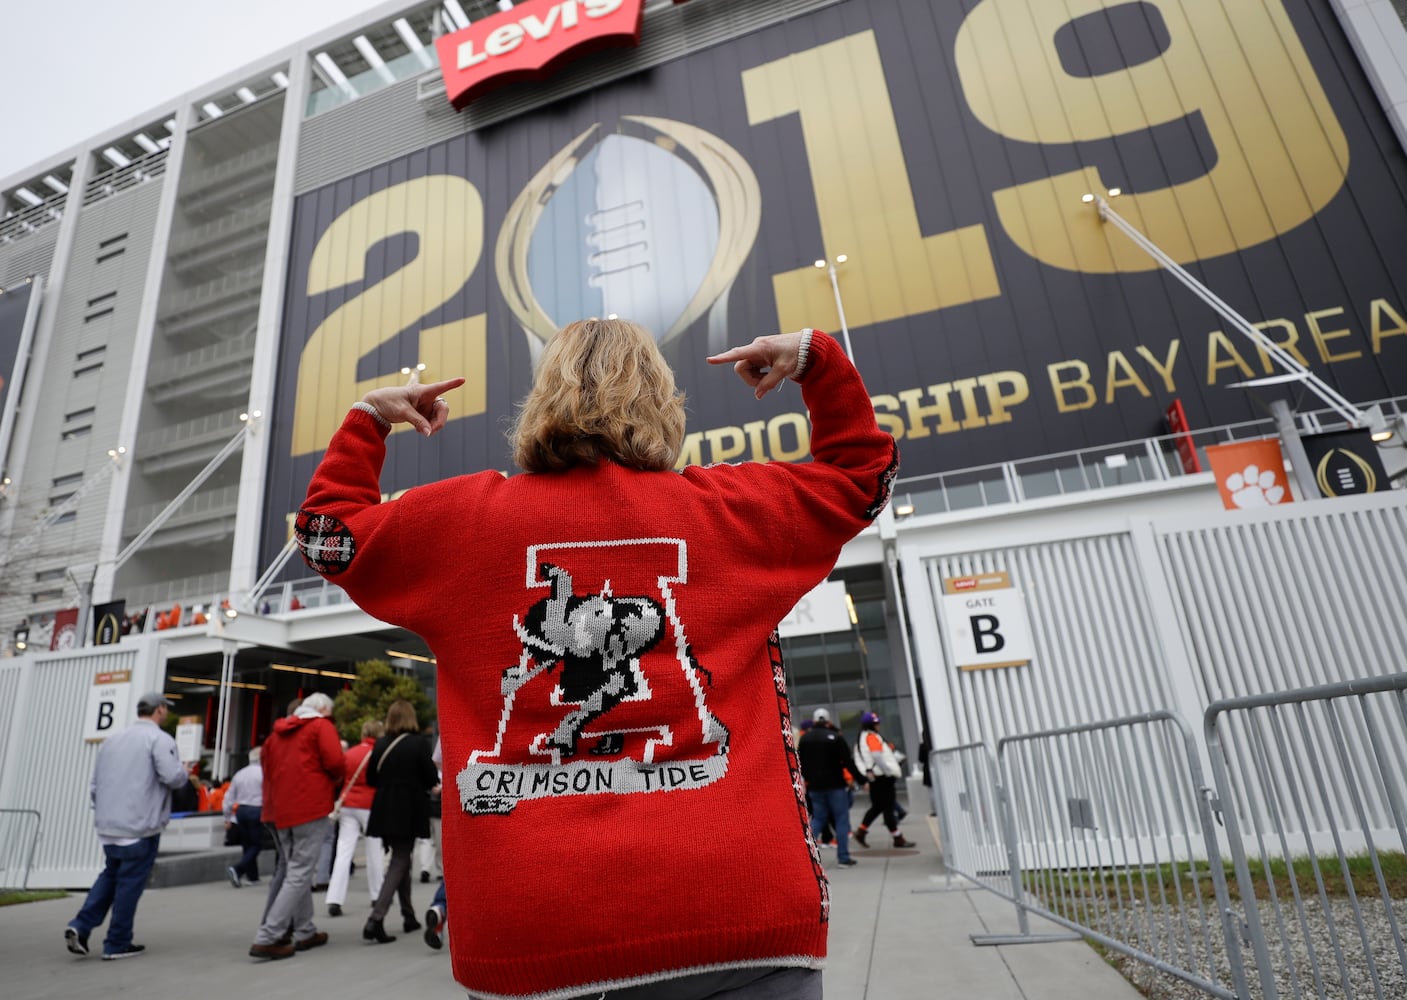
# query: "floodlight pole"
839, 305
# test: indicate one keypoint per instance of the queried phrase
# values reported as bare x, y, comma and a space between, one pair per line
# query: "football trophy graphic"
651, 222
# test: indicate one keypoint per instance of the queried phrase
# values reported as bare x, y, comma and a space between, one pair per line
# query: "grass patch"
1193, 880
13, 897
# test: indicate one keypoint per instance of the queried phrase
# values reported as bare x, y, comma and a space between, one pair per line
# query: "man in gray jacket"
131, 794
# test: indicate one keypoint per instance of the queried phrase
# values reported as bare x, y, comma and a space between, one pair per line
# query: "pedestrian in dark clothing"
403, 774
825, 763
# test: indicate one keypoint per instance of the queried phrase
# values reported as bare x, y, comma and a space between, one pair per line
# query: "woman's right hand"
422, 406
765, 362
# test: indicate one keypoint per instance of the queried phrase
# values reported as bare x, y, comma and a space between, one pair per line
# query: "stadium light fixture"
29, 196
116, 157
246, 95
212, 109
280, 79
56, 185
145, 141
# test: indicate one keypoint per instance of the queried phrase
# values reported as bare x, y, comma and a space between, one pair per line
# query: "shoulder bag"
336, 813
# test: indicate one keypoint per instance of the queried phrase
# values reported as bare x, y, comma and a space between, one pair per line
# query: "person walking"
351, 824
825, 763
877, 761
302, 763
243, 807
133, 778
402, 772
613, 680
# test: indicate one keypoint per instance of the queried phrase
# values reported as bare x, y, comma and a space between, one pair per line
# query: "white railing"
1102, 467
216, 426
139, 171
201, 360
32, 218
200, 507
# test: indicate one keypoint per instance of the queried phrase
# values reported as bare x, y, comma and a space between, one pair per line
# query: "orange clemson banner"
1250, 474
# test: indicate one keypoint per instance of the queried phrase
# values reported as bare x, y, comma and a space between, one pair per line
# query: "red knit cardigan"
611, 698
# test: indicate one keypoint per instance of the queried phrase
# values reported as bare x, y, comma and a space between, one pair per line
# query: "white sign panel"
190, 738
825, 609
986, 622
109, 705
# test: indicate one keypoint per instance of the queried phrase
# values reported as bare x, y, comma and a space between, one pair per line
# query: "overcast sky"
73, 71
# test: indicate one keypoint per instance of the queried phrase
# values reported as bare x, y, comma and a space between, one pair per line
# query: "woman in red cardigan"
610, 681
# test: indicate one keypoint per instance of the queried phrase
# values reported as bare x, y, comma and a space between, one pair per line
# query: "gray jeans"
291, 897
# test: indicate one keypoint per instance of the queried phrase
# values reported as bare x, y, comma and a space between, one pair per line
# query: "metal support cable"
1316, 385
196, 482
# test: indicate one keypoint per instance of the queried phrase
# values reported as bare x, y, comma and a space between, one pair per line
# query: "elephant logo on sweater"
606, 696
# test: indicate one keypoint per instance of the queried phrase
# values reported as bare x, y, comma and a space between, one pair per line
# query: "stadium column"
245, 567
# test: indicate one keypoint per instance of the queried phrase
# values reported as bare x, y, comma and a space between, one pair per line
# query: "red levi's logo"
531, 41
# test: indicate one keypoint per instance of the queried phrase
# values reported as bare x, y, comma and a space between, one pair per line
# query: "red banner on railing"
1186, 449
65, 634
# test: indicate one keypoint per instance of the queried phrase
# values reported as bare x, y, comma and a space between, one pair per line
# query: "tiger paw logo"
606, 697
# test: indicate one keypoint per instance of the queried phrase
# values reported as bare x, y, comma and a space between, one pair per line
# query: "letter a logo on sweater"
606, 697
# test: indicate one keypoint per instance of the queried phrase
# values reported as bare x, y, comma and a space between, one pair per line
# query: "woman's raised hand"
765, 362
424, 407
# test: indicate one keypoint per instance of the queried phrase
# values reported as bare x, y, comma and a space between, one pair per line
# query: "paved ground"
899, 931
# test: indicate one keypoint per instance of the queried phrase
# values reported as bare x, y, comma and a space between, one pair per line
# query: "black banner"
944, 150
1345, 463
107, 622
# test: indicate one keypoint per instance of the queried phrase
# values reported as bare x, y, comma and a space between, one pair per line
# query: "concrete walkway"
892, 938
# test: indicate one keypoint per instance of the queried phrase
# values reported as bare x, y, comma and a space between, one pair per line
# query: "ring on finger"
441, 399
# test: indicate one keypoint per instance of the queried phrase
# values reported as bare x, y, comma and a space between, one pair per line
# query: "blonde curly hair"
602, 390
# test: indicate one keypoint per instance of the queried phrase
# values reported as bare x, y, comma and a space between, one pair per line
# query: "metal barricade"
19, 835
975, 832
1105, 829
1311, 787
1118, 843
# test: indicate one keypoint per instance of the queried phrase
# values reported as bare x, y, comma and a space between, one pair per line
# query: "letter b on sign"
105, 714
985, 635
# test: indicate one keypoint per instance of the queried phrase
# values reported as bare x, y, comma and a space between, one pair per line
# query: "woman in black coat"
401, 771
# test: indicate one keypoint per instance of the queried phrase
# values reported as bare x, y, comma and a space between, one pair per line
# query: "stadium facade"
193, 298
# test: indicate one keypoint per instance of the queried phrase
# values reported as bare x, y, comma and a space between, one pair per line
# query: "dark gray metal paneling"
29, 255
394, 121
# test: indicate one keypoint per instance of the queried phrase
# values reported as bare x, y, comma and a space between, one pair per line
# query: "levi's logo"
530, 41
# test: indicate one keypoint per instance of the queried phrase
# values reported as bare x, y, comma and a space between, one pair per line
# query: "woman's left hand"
424, 407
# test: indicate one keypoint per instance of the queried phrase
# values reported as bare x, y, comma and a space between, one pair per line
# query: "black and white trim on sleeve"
326, 543
885, 486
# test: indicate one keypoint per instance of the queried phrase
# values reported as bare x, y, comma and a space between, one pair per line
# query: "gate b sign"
986, 622
109, 702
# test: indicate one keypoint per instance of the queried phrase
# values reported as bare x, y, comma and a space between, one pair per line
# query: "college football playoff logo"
651, 222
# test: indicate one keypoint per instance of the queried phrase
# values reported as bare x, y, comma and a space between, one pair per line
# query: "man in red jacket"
302, 768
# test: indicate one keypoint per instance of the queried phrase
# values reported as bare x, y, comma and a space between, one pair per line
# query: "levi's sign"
530, 41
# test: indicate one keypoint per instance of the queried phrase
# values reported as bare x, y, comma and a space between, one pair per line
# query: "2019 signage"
944, 148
